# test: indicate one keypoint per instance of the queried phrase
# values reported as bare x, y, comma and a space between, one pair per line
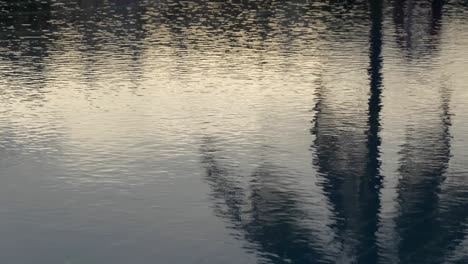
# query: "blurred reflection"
116, 27
25, 37
347, 157
109, 162
417, 26
266, 211
436, 16
430, 224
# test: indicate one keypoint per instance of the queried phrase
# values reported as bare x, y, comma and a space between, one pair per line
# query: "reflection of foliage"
269, 218
25, 34
23, 27
349, 160
414, 40
430, 223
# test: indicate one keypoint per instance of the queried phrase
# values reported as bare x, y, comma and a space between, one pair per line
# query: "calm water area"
237, 131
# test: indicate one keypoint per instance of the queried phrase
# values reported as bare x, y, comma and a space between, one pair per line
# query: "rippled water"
136, 131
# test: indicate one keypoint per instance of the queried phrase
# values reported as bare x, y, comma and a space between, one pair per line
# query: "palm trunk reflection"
429, 225
348, 158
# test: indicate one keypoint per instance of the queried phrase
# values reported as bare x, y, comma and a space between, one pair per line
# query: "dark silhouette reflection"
24, 29
265, 210
430, 223
25, 40
417, 26
373, 179
436, 15
117, 43
348, 158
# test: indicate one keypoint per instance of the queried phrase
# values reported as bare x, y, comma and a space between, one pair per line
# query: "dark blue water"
139, 131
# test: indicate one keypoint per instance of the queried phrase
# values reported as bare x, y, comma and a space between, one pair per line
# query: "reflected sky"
135, 131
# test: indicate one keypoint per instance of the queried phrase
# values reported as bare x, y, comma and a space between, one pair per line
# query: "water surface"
139, 131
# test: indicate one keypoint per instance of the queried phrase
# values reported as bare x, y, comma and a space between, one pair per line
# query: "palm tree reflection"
265, 211
268, 214
348, 159
431, 222
417, 26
